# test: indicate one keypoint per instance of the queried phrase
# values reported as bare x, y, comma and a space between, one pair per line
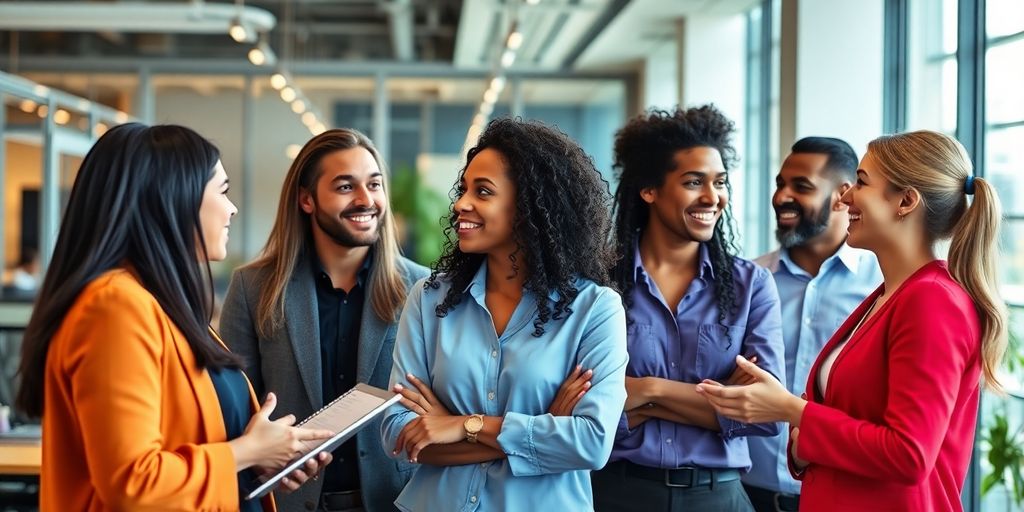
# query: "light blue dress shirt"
813, 307
515, 376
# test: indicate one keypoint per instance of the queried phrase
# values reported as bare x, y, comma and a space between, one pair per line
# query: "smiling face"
803, 199
690, 201
348, 199
486, 207
874, 207
215, 214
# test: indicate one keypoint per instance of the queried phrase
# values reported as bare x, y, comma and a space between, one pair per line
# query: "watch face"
474, 424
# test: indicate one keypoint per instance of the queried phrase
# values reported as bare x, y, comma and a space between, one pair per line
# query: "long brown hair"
938, 167
291, 233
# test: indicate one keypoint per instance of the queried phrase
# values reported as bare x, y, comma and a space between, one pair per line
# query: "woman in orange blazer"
893, 397
143, 407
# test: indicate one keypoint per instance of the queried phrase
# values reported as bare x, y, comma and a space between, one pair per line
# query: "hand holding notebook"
346, 415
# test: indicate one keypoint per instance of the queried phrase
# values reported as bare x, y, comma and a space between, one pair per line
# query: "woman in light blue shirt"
513, 306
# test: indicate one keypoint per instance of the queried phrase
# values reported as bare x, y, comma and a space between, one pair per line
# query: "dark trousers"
618, 487
766, 500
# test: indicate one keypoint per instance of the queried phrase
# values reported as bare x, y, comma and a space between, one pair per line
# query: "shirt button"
494, 353
673, 363
668, 441
472, 499
807, 320
490, 395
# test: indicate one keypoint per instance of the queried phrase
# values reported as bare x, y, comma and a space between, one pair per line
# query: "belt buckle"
693, 478
777, 501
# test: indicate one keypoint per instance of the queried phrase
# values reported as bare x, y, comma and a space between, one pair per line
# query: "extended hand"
427, 430
570, 392
424, 403
741, 377
273, 443
766, 400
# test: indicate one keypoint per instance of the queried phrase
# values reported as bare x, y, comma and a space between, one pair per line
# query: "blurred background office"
422, 77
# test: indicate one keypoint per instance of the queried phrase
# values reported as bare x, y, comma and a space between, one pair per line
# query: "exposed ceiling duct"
136, 17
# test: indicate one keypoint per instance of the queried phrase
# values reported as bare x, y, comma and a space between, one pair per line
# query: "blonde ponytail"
972, 262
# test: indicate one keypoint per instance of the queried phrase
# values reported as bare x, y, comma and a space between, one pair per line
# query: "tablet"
346, 415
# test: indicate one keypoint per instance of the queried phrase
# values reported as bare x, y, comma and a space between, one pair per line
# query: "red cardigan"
895, 428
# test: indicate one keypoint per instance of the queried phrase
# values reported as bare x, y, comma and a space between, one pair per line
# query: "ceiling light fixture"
278, 81
239, 32
262, 54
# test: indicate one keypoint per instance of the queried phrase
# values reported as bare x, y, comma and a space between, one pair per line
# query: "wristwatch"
473, 425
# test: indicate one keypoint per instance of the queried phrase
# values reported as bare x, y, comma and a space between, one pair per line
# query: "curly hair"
644, 155
561, 223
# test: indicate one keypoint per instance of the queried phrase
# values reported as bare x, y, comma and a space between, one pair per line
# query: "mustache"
360, 210
789, 207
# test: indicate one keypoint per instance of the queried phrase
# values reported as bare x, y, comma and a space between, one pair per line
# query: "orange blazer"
895, 428
129, 421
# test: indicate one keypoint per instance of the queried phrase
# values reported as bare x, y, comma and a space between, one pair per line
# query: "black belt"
783, 502
679, 477
341, 500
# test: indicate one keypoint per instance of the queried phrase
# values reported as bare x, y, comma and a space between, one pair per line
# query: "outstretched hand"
763, 401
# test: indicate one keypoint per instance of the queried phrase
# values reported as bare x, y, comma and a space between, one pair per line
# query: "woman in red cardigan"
888, 421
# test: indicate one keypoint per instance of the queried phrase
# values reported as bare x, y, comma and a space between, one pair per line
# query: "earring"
899, 216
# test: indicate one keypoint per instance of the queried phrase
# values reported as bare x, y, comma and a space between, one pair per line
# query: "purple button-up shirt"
691, 344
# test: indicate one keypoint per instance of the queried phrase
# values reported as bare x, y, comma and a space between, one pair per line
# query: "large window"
932, 65
1004, 134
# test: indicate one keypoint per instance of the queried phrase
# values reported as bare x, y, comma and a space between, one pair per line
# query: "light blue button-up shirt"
515, 376
813, 307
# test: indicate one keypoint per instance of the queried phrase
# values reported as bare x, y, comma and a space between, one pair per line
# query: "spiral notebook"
346, 415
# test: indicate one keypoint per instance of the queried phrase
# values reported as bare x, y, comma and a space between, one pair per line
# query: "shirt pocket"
646, 354
717, 348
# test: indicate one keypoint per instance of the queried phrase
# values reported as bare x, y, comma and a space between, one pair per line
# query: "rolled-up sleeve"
543, 444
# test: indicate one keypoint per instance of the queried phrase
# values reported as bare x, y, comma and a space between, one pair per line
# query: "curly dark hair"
644, 154
561, 223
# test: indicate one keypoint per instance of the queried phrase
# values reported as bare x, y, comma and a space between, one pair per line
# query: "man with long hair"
317, 311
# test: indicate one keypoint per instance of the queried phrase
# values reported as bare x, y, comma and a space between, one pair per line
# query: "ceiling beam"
400, 21
338, 68
135, 17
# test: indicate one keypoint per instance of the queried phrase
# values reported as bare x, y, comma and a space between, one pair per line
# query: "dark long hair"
136, 202
644, 155
561, 222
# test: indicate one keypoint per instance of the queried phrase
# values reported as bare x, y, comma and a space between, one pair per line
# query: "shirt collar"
361, 274
848, 256
477, 286
707, 268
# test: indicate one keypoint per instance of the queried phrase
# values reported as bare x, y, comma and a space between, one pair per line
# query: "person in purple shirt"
692, 306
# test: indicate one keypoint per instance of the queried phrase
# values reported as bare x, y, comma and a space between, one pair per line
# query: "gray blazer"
288, 363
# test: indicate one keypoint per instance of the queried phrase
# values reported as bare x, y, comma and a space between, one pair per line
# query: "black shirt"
233, 395
340, 313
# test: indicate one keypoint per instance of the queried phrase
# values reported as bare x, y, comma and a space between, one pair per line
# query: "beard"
807, 228
343, 236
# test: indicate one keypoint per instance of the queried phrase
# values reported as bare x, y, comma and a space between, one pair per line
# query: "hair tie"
969, 185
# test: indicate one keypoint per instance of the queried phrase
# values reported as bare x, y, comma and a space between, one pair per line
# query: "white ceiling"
646, 25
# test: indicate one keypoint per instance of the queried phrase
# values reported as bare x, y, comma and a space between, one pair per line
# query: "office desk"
20, 458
